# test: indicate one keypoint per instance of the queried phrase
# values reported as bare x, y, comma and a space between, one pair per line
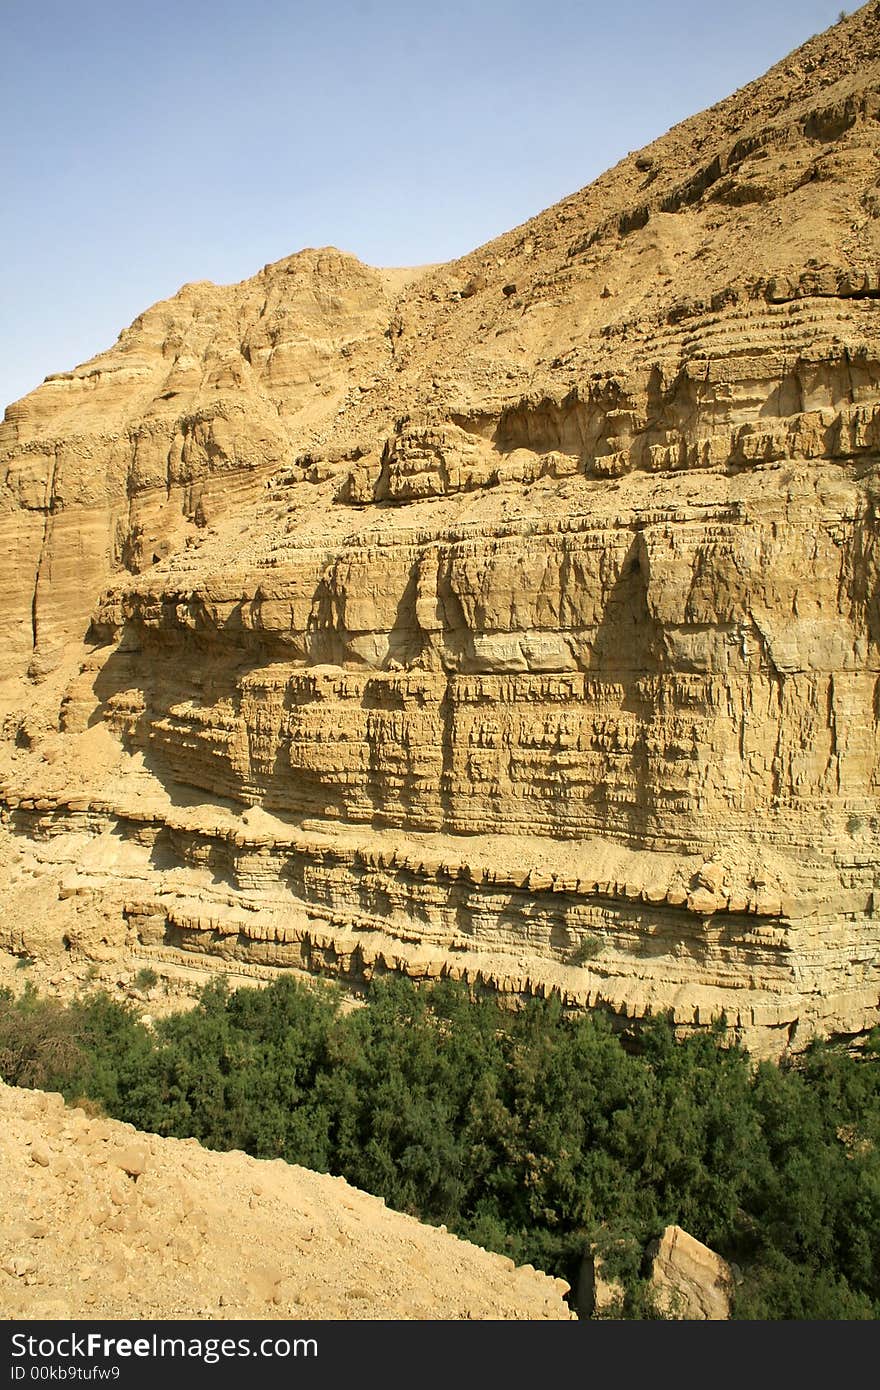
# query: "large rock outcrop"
688, 1280
123, 460
534, 598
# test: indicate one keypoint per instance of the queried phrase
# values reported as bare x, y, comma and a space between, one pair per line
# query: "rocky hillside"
100, 1220
529, 602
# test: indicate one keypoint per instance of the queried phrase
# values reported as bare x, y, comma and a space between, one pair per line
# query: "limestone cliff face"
550, 574
123, 460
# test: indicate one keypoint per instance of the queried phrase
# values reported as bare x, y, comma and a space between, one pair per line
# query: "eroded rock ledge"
593, 921
533, 599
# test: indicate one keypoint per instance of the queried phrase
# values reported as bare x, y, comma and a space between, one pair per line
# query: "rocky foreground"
100, 1220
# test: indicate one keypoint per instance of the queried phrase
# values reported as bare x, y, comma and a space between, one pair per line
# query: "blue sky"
145, 145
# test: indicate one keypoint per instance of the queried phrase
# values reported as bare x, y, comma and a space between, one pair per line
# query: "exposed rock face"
98, 1220
132, 455
597, 1295
573, 542
690, 1281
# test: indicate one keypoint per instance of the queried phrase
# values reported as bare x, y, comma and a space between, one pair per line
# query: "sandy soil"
100, 1220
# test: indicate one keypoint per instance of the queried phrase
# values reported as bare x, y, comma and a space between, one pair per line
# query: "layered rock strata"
534, 598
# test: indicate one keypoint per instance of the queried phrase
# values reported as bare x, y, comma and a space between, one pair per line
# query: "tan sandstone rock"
689, 1280
597, 1295
562, 558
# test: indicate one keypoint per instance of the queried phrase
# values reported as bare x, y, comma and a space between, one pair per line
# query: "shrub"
39, 1043
533, 1133
587, 948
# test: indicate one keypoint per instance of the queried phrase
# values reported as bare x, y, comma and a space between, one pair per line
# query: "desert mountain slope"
531, 600
101, 1220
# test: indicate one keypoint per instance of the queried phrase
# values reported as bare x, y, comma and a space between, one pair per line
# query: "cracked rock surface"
531, 600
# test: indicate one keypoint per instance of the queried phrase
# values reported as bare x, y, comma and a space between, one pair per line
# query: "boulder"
689, 1280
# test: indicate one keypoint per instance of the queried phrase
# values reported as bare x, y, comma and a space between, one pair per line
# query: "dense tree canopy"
531, 1132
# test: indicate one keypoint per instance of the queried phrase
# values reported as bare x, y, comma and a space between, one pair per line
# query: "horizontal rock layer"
596, 923
569, 544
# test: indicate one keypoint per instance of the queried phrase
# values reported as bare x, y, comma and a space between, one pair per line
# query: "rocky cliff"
529, 602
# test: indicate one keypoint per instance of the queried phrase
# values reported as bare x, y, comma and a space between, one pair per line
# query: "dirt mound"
100, 1220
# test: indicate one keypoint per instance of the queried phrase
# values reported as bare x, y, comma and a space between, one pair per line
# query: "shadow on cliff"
125, 689
628, 646
628, 643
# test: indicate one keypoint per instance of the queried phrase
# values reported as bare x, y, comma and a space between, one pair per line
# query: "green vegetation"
587, 948
145, 979
532, 1133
